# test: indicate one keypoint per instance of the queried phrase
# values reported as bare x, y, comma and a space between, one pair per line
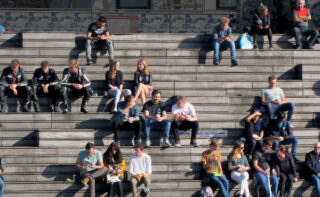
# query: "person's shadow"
203, 42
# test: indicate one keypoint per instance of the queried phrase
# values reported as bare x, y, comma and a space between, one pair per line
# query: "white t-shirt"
188, 109
272, 94
139, 165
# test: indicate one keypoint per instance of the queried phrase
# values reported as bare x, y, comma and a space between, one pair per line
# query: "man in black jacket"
75, 82
313, 166
281, 133
45, 81
14, 81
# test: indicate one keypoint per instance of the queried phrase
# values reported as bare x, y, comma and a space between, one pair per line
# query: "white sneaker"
148, 143
166, 143
291, 126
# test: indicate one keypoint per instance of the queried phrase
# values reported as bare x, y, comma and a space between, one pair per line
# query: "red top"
303, 12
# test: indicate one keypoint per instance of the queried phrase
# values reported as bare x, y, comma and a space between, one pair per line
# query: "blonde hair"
146, 67
181, 98
73, 63
262, 8
215, 142
235, 150
224, 20
112, 69
15, 62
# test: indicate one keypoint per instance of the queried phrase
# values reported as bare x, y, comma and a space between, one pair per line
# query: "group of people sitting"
222, 33
111, 166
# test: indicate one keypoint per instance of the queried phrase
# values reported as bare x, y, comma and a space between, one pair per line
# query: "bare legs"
141, 91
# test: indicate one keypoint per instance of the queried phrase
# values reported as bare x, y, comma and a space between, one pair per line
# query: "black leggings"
286, 182
255, 31
111, 188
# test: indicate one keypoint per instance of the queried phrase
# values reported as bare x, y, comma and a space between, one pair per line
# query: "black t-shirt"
264, 158
154, 108
95, 30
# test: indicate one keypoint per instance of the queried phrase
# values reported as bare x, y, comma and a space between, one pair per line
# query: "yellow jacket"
121, 166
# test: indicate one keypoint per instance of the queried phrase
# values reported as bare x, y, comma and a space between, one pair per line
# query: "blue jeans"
315, 179
283, 107
306, 32
288, 140
1, 187
221, 182
263, 180
217, 46
152, 124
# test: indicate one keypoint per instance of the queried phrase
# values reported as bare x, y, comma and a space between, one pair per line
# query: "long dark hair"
109, 157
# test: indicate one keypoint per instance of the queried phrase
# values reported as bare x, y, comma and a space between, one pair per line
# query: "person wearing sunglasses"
312, 162
263, 160
239, 165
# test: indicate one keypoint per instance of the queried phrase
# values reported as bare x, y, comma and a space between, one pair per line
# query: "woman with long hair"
261, 25
143, 81
113, 160
286, 170
238, 165
114, 80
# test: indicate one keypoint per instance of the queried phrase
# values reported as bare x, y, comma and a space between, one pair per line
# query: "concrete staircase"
39, 149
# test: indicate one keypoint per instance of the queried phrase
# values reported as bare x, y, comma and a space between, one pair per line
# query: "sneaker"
296, 46
85, 181
308, 47
118, 142
270, 46
165, 143
216, 62
234, 62
177, 144
148, 143
295, 159
194, 144
255, 46
291, 126
89, 62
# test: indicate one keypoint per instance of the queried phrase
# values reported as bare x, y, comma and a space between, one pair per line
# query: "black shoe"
308, 47
36, 107
216, 62
89, 62
295, 159
56, 107
234, 63
25, 107
84, 109
270, 46
65, 109
296, 46
255, 46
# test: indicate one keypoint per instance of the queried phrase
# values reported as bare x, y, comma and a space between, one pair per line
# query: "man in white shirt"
184, 117
140, 169
273, 98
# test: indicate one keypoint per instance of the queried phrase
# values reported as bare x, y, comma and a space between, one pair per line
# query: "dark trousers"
111, 188
136, 126
286, 182
23, 92
68, 91
184, 125
54, 92
256, 31
252, 145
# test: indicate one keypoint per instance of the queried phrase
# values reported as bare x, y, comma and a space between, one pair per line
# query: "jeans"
286, 182
2, 184
306, 32
217, 46
242, 179
152, 124
92, 175
104, 43
315, 179
116, 93
134, 183
272, 108
263, 180
221, 182
288, 140
184, 125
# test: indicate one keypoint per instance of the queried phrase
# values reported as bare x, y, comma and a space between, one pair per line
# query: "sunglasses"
242, 147
269, 144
